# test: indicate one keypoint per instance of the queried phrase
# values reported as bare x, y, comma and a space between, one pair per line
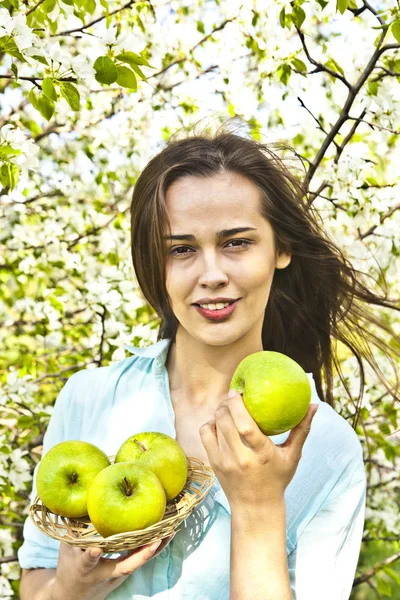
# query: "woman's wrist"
59, 591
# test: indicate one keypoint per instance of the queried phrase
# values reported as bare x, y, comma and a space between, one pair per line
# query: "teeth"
217, 306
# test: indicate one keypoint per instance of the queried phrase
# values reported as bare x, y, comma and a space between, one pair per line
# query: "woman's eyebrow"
220, 234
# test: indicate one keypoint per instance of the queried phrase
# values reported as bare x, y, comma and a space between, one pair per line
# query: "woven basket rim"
80, 532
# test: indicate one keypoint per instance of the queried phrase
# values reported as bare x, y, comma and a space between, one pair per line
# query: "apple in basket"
161, 454
125, 497
64, 475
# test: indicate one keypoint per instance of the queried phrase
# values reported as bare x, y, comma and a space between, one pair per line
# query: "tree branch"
33, 8
362, 236
353, 91
369, 574
82, 29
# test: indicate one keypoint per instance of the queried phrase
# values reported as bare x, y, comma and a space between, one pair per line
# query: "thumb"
90, 557
299, 434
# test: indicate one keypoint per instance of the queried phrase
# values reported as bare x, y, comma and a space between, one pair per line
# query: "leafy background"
90, 90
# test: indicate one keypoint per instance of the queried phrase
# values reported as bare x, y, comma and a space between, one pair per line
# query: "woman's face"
239, 265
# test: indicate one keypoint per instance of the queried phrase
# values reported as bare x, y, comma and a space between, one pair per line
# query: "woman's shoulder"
331, 432
93, 383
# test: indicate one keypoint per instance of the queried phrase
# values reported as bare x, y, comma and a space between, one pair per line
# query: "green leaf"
113, 258
106, 71
384, 587
41, 59
139, 71
322, 3
395, 576
284, 72
56, 303
372, 87
71, 94
282, 19
8, 150
14, 69
104, 4
90, 6
342, 5
299, 65
48, 89
7, 4
8, 45
332, 64
46, 107
48, 6
395, 27
200, 27
126, 78
9, 174
298, 15
33, 99
133, 59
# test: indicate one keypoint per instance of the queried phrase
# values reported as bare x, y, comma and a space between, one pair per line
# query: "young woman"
219, 219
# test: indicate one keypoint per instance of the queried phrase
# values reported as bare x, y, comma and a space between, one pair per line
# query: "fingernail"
232, 393
314, 410
154, 546
95, 552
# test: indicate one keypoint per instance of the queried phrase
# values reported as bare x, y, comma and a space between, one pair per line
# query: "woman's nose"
212, 272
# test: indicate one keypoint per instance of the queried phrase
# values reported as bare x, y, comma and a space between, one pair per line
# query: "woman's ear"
283, 260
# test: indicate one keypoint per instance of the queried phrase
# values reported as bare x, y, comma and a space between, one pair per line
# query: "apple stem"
74, 477
127, 488
141, 445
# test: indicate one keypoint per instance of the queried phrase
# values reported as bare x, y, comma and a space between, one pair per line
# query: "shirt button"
163, 553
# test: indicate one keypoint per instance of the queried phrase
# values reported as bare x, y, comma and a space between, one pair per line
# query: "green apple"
64, 475
275, 390
125, 497
160, 453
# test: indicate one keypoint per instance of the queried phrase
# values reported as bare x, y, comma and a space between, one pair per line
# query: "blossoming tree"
90, 90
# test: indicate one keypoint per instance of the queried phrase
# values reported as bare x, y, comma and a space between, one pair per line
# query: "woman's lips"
217, 315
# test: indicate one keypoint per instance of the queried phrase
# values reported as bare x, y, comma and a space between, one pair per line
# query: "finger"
299, 434
208, 436
126, 566
248, 430
228, 436
90, 557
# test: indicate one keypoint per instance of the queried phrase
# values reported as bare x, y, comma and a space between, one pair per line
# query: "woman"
219, 218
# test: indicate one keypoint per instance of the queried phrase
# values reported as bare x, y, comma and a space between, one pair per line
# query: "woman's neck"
201, 376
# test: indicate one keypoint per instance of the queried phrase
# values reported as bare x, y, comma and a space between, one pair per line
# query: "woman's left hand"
251, 469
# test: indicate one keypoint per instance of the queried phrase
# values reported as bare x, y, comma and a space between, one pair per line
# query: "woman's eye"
175, 252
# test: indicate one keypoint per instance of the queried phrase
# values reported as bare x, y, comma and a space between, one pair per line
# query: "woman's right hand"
82, 576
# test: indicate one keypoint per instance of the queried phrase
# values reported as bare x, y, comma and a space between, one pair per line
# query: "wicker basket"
81, 532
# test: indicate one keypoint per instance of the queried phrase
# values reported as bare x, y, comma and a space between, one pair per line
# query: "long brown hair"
318, 298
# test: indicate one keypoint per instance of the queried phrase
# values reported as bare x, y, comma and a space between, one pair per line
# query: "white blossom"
6, 590
5, 543
17, 28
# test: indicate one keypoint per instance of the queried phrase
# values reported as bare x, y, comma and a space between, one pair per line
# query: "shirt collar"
158, 350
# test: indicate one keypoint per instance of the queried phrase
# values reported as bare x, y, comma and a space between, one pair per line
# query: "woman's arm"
37, 584
259, 568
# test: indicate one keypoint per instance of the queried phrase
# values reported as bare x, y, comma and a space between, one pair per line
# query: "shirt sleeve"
324, 562
38, 550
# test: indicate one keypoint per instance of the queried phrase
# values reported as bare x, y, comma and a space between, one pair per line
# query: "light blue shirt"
325, 501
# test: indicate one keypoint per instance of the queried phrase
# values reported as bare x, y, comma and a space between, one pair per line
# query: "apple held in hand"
64, 475
275, 390
125, 497
160, 453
